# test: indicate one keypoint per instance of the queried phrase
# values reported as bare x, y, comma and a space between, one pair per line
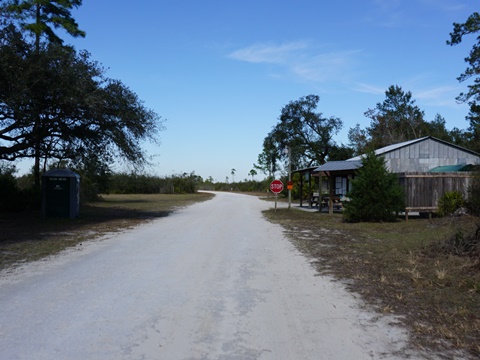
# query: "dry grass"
27, 236
397, 268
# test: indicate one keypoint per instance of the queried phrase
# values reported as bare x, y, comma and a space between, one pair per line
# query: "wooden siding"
424, 189
426, 155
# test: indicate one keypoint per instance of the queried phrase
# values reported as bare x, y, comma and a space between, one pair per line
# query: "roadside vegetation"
26, 236
419, 270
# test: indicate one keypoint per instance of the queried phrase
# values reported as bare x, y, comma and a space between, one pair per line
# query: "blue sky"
220, 71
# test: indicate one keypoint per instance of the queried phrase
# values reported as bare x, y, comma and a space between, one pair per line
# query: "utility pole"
289, 177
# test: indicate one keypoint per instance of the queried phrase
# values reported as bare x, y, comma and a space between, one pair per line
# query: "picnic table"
323, 201
317, 200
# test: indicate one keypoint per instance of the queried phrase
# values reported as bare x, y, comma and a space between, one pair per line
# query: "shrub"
465, 241
450, 202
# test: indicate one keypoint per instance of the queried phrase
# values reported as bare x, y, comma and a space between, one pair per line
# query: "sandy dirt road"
212, 281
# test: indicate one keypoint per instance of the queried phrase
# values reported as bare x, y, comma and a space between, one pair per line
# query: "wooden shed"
418, 156
424, 154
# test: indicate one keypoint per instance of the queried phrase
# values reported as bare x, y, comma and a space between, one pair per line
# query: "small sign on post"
290, 185
276, 186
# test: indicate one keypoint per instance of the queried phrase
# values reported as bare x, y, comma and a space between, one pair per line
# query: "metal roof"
451, 168
340, 165
309, 169
392, 147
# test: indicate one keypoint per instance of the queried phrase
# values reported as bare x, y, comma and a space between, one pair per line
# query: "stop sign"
276, 186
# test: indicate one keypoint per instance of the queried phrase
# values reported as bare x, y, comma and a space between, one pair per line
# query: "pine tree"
376, 194
39, 18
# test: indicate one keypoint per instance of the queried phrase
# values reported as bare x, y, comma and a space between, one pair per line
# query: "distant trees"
252, 173
307, 132
132, 183
398, 119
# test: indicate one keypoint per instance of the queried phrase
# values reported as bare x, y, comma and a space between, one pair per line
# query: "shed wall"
424, 189
426, 155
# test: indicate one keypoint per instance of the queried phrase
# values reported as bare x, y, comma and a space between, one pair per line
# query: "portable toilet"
61, 194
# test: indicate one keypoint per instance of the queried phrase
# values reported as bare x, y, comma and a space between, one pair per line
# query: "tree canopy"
394, 120
398, 119
305, 131
472, 96
38, 16
80, 111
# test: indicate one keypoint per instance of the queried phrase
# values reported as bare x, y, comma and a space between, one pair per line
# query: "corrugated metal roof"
391, 147
451, 168
309, 169
340, 165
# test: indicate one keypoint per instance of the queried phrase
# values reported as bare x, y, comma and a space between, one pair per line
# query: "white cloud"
369, 89
327, 66
439, 96
301, 59
267, 53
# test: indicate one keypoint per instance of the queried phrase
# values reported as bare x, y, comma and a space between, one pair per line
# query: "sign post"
276, 186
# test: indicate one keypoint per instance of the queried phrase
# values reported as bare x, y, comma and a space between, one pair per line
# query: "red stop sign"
276, 186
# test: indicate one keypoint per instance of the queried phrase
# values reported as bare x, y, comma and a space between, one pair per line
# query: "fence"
424, 189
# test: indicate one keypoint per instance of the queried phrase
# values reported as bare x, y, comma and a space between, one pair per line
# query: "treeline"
18, 193
261, 186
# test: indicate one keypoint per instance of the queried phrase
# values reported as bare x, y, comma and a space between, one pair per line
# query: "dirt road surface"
212, 281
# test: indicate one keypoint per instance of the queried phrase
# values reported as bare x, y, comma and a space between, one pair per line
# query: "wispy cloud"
439, 96
428, 95
268, 53
369, 89
387, 13
447, 5
302, 59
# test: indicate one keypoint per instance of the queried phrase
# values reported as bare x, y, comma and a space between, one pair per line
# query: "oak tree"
81, 112
305, 131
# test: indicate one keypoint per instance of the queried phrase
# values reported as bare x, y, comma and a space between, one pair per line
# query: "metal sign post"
276, 186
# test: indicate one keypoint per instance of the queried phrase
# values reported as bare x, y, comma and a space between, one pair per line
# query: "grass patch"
26, 236
399, 268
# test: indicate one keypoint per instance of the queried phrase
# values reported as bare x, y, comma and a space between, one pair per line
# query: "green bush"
376, 194
450, 202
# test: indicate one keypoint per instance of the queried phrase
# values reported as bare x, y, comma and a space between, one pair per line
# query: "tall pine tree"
39, 18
